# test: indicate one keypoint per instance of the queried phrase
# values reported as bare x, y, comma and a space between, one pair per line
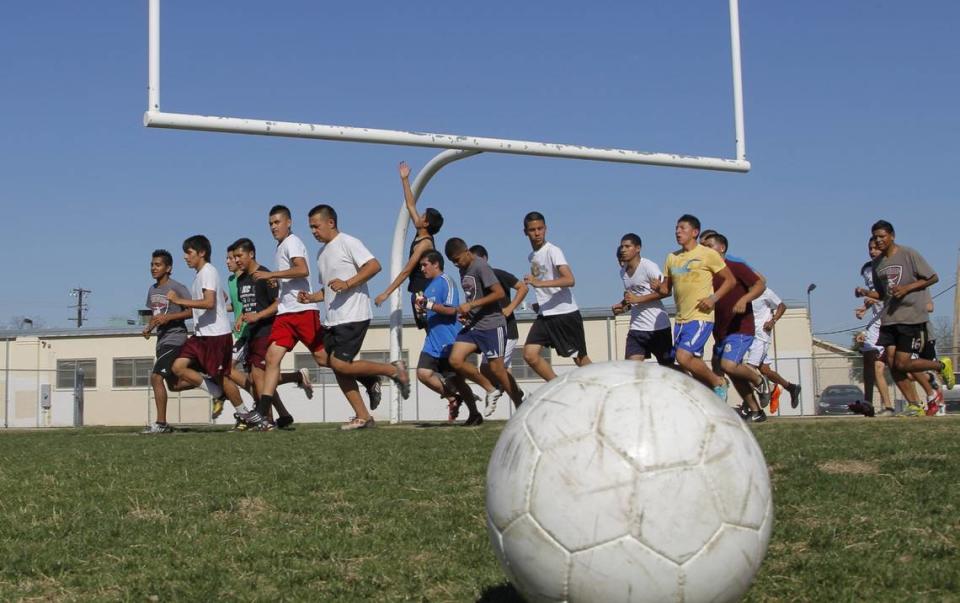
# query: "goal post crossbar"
156, 118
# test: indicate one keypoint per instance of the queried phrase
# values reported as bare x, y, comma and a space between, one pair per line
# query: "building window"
318, 376
132, 372
66, 369
519, 367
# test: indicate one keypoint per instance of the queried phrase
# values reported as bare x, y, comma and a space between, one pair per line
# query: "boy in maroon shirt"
733, 330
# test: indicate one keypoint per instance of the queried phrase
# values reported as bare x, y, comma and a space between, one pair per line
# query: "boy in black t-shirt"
259, 301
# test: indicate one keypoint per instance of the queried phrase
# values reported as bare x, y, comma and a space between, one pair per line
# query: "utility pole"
81, 306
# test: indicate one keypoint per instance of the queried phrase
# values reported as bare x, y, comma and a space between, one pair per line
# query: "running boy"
209, 351
344, 266
649, 333
559, 324
689, 275
485, 328
169, 321
767, 310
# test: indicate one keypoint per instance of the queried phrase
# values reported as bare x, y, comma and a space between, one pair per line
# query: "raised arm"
407, 270
408, 197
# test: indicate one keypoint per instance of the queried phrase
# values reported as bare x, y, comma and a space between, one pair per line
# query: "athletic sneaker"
357, 423
862, 408
758, 416
763, 392
914, 410
263, 425
721, 391
157, 428
453, 409
743, 411
490, 401
401, 379
285, 422
932, 408
305, 384
217, 408
775, 399
947, 372
794, 390
887, 412
474, 420
238, 424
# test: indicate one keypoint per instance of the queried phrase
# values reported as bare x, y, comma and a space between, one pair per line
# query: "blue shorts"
691, 336
491, 343
734, 347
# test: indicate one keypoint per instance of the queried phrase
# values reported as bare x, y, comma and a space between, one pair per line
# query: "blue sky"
850, 117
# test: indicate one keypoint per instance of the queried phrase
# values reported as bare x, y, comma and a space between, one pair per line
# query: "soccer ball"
626, 481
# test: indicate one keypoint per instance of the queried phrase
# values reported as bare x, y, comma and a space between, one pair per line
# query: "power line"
864, 326
81, 306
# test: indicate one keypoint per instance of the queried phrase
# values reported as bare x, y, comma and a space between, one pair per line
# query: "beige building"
38, 371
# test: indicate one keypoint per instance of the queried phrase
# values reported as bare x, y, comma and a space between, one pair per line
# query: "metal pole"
153, 83
396, 259
737, 80
956, 320
6, 387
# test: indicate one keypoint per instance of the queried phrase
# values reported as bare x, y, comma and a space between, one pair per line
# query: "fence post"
78, 397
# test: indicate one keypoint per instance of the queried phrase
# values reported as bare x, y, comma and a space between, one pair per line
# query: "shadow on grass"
438, 425
501, 593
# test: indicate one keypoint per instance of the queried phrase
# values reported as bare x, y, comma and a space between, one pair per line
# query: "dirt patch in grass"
849, 468
143, 514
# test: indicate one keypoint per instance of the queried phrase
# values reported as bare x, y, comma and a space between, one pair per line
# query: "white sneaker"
490, 402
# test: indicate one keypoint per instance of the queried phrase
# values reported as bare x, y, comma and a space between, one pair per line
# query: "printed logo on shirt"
892, 275
159, 304
686, 268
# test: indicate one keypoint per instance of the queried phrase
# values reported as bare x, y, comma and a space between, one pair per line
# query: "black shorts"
651, 343
345, 340
166, 354
562, 332
929, 349
437, 365
908, 339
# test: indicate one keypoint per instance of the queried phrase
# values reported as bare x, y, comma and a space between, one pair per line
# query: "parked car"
834, 399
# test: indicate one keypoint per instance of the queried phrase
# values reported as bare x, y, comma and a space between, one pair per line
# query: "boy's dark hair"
433, 256
720, 239
479, 250
198, 243
533, 217
619, 255
325, 211
434, 220
689, 219
706, 234
280, 209
164, 255
882, 225
633, 238
454, 246
245, 244
232, 247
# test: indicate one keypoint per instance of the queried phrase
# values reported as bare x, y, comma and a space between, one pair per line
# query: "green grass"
865, 510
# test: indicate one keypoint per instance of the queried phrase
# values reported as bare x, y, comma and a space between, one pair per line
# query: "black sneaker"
757, 416
743, 411
474, 420
401, 379
285, 422
794, 390
372, 385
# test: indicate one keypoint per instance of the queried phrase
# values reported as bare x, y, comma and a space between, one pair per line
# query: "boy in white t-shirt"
344, 266
767, 310
559, 324
649, 333
209, 351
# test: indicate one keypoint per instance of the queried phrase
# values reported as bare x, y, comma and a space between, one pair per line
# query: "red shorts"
257, 352
303, 326
214, 353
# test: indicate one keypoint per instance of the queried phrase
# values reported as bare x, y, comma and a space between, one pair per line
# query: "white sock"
210, 386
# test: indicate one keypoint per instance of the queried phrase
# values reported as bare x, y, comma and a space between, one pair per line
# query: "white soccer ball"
626, 481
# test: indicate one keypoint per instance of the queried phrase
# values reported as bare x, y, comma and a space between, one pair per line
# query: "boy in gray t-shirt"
901, 277
169, 321
485, 328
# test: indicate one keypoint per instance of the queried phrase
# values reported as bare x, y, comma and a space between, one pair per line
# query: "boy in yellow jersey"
688, 273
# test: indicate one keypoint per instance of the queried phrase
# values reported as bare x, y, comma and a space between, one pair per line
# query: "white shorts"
757, 354
507, 354
870, 343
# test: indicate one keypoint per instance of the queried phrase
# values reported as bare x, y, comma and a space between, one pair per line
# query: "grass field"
866, 510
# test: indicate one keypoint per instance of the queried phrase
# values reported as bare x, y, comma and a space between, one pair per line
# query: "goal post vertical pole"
737, 80
153, 82
396, 261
